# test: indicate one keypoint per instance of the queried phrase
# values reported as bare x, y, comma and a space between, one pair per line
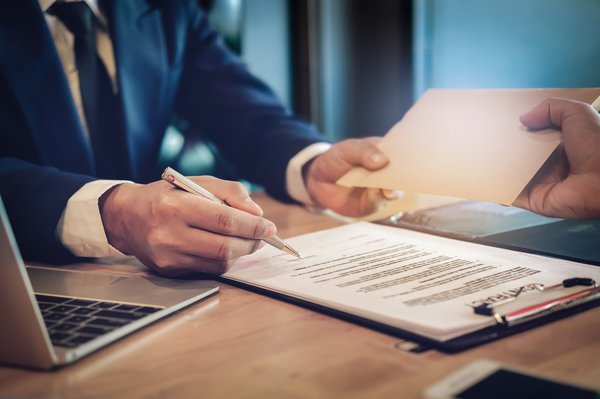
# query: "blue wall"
506, 43
265, 44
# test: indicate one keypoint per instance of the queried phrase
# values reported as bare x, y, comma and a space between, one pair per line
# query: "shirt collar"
93, 4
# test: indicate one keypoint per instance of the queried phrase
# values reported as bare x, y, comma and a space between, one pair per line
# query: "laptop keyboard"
73, 321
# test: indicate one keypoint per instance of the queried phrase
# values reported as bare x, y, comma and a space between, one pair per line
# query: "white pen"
180, 181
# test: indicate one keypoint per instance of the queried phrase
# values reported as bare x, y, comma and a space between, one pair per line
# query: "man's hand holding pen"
173, 232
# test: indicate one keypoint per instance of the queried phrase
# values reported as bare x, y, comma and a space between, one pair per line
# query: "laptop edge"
24, 338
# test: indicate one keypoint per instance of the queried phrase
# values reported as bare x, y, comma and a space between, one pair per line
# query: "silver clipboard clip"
535, 300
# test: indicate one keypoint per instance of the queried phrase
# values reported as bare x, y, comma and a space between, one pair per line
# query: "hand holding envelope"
568, 184
467, 144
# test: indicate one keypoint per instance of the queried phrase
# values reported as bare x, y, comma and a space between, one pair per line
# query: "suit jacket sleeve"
237, 111
35, 197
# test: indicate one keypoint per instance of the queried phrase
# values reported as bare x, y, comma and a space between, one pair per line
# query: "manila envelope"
466, 144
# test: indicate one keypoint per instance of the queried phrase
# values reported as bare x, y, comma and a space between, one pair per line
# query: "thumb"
554, 112
361, 152
232, 193
345, 155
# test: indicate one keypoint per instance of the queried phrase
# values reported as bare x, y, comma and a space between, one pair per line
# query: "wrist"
298, 170
110, 205
306, 173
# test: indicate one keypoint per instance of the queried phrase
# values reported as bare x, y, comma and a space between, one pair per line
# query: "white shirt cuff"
294, 179
80, 227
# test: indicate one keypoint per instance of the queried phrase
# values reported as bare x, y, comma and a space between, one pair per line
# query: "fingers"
193, 250
199, 242
241, 218
233, 193
345, 155
557, 111
174, 247
361, 152
222, 219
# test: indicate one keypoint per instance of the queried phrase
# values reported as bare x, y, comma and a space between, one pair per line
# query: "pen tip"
292, 251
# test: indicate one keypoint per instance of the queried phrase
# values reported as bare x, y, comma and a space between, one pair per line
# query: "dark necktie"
101, 106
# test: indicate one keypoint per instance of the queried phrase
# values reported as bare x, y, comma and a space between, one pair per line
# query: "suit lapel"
34, 71
140, 56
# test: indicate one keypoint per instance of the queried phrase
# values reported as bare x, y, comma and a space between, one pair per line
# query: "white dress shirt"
80, 227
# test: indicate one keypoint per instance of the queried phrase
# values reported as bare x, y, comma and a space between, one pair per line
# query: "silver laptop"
53, 317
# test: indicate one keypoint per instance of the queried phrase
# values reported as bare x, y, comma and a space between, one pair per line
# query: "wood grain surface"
239, 344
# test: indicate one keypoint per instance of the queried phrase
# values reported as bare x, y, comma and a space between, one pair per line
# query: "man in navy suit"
69, 159
86, 94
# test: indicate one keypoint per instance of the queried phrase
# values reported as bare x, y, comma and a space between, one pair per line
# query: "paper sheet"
467, 144
409, 280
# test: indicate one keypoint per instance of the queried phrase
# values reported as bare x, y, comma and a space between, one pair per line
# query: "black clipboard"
454, 345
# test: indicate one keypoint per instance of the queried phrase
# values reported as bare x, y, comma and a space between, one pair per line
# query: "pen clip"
535, 300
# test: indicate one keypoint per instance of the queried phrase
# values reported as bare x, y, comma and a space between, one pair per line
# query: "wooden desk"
239, 344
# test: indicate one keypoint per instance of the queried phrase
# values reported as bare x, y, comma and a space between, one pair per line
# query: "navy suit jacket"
169, 62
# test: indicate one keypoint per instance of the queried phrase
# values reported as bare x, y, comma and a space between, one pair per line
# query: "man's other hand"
323, 171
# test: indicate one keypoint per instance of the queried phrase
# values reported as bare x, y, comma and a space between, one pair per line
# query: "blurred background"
354, 67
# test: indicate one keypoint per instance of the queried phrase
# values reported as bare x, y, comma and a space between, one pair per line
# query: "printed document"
409, 280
